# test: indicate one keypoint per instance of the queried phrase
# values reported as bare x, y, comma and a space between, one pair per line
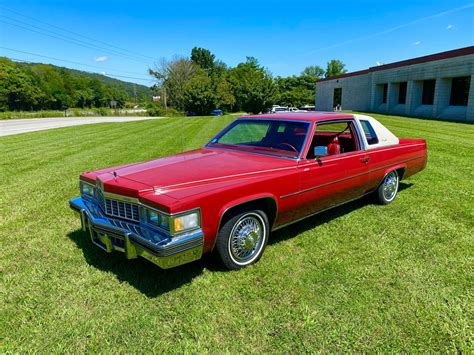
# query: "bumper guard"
134, 240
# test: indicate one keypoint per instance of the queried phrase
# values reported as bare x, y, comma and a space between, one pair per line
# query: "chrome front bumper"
134, 240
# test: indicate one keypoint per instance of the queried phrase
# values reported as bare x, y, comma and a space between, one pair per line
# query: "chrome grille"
121, 209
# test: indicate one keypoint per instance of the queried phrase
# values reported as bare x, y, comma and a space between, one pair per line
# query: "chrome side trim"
339, 204
321, 211
347, 178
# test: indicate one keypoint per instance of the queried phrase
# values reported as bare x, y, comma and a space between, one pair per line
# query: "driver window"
337, 137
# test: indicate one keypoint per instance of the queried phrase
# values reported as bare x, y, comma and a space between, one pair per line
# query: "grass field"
362, 277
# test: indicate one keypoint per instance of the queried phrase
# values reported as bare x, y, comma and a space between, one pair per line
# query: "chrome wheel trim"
247, 238
390, 186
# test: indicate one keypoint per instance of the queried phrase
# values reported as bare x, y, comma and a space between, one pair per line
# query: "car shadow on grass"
146, 277
153, 281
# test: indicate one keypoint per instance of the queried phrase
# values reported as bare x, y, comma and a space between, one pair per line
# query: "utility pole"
163, 89
135, 93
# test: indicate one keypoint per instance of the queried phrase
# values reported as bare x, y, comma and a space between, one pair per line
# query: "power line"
112, 76
127, 77
73, 41
69, 61
75, 33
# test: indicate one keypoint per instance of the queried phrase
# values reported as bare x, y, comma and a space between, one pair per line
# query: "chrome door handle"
365, 160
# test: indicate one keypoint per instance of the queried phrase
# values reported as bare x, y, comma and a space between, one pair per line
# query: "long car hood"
197, 166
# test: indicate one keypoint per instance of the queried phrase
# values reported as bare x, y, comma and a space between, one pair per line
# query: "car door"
338, 177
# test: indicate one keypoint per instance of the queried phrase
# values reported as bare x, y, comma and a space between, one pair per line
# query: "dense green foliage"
334, 68
298, 90
27, 86
201, 83
252, 86
203, 57
198, 84
359, 278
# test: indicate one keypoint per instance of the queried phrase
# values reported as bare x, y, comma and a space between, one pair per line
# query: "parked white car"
277, 108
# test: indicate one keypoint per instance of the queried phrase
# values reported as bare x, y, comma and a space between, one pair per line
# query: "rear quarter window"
369, 132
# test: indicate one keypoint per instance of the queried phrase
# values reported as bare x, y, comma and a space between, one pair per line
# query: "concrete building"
436, 86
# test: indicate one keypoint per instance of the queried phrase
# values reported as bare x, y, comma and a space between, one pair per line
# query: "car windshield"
273, 137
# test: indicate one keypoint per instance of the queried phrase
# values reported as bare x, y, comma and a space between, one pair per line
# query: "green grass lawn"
361, 277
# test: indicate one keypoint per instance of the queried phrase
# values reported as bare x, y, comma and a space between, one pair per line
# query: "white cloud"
103, 72
101, 58
451, 28
416, 43
378, 63
448, 27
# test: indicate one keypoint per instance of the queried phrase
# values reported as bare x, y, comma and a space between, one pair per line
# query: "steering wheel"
288, 145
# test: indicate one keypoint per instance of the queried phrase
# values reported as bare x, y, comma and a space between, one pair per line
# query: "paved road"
10, 127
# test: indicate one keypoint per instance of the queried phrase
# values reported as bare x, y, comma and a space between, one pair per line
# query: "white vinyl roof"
385, 137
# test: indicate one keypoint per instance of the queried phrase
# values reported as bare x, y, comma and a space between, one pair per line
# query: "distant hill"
127, 86
28, 86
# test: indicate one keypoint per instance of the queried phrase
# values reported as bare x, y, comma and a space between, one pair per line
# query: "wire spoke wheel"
246, 238
390, 186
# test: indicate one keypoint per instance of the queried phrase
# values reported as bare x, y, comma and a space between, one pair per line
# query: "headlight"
86, 189
158, 219
174, 224
186, 222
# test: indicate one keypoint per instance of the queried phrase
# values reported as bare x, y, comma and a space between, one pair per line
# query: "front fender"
240, 201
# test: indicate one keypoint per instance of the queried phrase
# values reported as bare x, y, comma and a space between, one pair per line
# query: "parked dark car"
216, 112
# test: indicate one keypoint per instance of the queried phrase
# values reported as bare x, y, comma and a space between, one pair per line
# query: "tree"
225, 100
219, 68
295, 90
203, 57
172, 76
32, 86
199, 95
334, 68
19, 90
313, 71
252, 86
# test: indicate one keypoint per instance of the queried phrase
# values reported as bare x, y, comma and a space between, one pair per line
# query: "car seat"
334, 147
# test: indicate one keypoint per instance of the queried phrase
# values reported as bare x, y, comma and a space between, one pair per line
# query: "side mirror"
320, 151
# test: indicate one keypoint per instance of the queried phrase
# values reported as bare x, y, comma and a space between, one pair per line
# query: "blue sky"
285, 36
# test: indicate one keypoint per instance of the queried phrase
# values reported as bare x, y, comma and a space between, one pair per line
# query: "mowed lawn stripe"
361, 277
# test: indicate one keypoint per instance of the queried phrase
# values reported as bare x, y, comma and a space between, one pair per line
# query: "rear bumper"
134, 240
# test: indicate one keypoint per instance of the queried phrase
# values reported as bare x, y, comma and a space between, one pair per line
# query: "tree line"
200, 83
31, 86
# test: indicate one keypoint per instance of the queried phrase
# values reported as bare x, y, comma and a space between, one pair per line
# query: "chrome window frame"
359, 142
366, 142
303, 146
